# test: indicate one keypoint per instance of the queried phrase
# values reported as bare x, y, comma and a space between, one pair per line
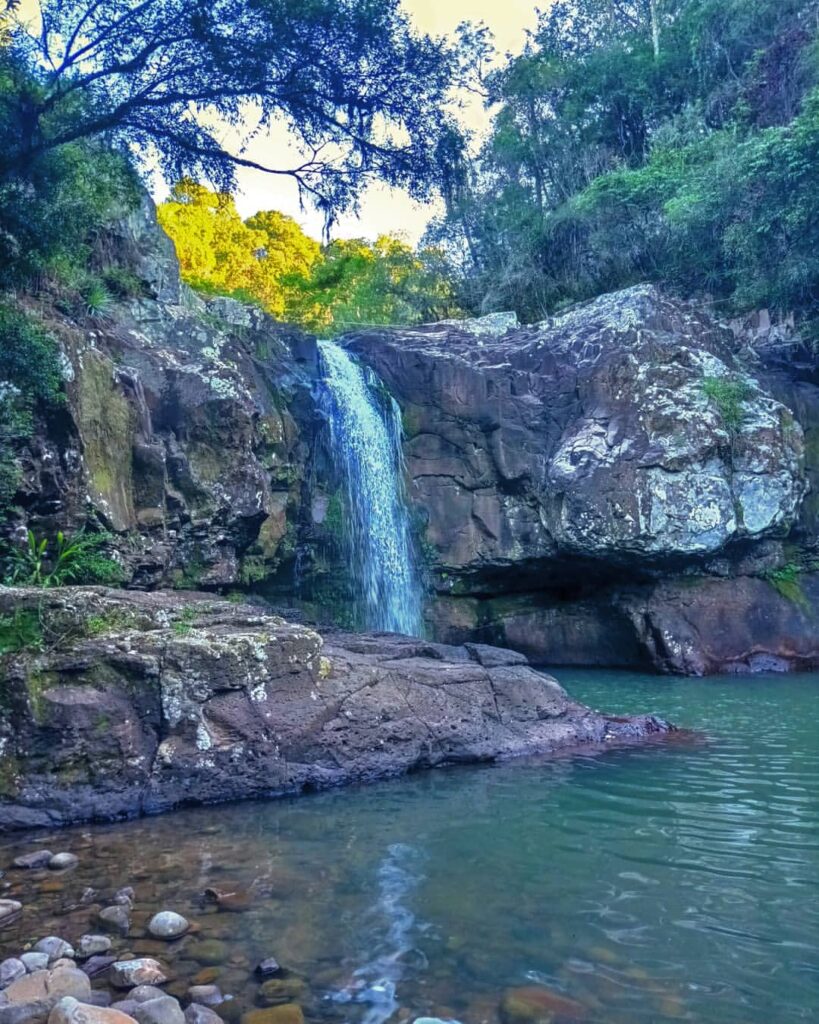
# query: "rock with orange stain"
536, 1004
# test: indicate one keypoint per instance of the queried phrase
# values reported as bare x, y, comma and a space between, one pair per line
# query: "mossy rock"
535, 1004
287, 1013
281, 990
209, 952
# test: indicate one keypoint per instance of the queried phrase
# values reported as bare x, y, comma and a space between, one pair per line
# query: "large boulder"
630, 441
188, 699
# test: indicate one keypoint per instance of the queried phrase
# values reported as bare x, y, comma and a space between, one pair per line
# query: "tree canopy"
667, 140
177, 80
268, 259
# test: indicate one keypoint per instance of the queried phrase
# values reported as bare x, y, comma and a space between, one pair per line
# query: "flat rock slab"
243, 704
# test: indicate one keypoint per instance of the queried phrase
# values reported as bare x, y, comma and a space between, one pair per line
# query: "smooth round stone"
208, 952
71, 1011
9, 909
116, 918
289, 1013
281, 990
207, 995
35, 859
63, 861
93, 945
167, 925
142, 993
142, 971
11, 970
35, 961
198, 1014
49, 985
55, 948
64, 961
125, 1006
165, 1010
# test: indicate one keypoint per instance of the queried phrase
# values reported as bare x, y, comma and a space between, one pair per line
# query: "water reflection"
667, 883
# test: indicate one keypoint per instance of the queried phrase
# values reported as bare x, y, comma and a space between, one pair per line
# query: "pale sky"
383, 209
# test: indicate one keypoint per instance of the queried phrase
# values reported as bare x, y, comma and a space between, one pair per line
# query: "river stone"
209, 952
142, 993
268, 967
164, 1010
97, 964
54, 947
9, 909
536, 1004
207, 995
167, 925
125, 896
92, 945
71, 1011
35, 961
125, 1006
36, 859
49, 986
288, 1013
63, 861
116, 918
141, 971
198, 1014
281, 990
11, 970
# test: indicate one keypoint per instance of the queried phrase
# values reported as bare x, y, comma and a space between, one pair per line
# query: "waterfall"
365, 428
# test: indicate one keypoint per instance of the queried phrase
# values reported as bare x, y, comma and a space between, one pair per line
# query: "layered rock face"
183, 430
139, 702
562, 471
602, 488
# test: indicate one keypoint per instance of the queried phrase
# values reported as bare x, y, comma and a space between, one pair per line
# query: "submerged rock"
288, 1013
71, 1011
63, 861
129, 974
11, 970
536, 1004
167, 925
162, 1010
9, 909
116, 918
54, 947
93, 945
36, 859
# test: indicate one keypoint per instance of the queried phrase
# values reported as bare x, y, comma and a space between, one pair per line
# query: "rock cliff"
138, 702
625, 484
631, 483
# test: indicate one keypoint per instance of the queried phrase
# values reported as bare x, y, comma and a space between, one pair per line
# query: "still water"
674, 882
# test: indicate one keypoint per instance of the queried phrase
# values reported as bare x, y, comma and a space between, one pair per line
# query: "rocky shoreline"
115, 958
134, 703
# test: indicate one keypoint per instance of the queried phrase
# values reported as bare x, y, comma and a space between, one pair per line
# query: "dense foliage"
30, 382
270, 260
669, 140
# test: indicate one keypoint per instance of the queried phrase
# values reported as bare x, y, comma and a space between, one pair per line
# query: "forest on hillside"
664, 140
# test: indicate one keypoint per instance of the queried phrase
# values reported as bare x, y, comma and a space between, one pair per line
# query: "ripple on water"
658, 884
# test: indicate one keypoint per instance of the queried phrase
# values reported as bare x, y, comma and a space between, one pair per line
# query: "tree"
218, 252
165, 78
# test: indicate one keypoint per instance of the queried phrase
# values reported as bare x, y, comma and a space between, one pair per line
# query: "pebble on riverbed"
168, 925
63, 861
36, 859
142, 971
92, 945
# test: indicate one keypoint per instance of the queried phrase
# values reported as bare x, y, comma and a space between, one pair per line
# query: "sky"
386, 210
382, 210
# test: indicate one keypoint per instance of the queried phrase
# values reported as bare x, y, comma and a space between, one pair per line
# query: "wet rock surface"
199, 700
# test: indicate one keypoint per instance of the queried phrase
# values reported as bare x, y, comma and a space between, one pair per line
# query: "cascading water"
365, 428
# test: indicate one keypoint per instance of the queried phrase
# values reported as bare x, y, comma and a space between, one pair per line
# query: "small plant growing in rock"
728, 395
185, 623
21, 631
97, 300
77, 559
